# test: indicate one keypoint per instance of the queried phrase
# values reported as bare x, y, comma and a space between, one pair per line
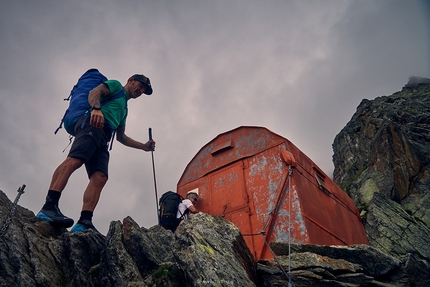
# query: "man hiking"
187, 205
174, 208
90, 147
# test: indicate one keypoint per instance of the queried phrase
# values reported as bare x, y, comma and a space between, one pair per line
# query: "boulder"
348, 266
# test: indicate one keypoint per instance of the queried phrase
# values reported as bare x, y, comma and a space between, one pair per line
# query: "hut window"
222, 147
320, 178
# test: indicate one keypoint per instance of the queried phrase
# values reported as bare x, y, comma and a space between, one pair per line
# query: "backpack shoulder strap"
111, 98
114, 97
186, 210
182, 215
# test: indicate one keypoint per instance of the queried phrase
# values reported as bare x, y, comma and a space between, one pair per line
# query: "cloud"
299, 68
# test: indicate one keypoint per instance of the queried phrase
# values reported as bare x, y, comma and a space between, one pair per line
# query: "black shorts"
91, 145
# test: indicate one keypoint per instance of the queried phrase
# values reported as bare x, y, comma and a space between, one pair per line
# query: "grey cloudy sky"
298, 68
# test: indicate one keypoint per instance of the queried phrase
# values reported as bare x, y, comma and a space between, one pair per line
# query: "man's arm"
97, 93
193, 209
97, 119
127, 141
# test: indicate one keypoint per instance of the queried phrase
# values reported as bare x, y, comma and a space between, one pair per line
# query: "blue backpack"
78, 98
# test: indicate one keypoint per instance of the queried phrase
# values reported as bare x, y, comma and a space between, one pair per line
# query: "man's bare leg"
63, 172
91, 197
50, 210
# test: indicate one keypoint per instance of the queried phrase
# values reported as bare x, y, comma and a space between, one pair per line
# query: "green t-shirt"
115, 111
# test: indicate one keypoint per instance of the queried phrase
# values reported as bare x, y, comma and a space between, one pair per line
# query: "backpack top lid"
88, 81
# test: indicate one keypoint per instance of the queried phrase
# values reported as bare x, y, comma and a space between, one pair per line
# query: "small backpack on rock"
169, 203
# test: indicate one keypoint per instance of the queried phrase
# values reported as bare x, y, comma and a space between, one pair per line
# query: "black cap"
145, 81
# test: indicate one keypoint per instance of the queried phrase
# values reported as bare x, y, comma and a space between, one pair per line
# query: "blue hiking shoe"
54, 215
83, 225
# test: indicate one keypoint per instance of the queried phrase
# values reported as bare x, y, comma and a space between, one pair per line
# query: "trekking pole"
153, 171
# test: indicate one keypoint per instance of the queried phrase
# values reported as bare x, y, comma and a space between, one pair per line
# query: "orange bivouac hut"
271, 191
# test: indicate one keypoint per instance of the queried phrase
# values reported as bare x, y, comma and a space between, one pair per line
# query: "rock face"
382, 160
385, 148
204, 251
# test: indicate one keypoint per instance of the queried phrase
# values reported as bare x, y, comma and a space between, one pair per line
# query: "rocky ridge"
204, 251
382, 160
385, 147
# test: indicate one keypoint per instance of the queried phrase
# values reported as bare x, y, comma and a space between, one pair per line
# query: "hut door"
229, 198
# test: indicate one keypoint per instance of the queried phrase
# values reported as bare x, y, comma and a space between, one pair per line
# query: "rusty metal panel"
227, 148
272, 192
267, 181
227, 187
331, 215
